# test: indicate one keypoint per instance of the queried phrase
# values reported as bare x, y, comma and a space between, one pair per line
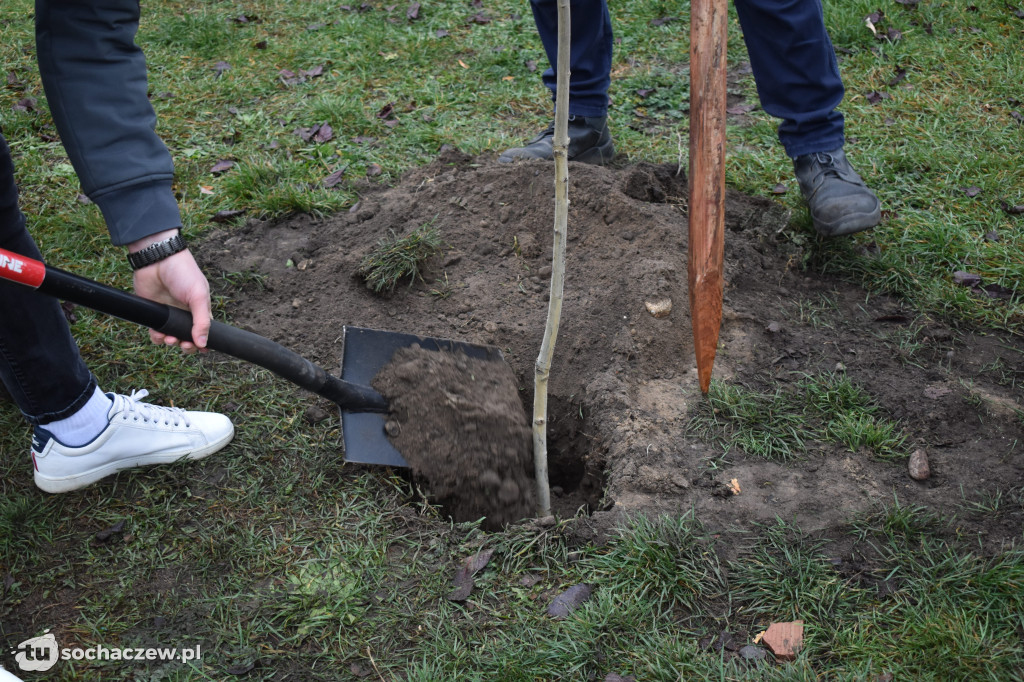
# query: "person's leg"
798, 81
39, 361
795, 71
590, 52
590, 61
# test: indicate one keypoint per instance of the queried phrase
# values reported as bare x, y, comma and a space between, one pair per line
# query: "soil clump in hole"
460, 425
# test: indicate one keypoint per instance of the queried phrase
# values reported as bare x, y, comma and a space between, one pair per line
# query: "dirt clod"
660, 308
918, 467
459, 423
753, 653
315, 414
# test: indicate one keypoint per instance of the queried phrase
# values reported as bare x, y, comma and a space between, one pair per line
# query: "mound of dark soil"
623, 388
459, 424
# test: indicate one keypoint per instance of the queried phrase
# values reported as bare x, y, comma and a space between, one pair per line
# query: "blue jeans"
39, 360
590, 52
791, 55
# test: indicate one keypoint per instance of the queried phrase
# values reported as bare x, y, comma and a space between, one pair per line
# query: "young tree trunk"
708, 23
560, 145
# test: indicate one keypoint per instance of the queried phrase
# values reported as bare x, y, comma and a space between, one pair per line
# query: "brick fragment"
785, 639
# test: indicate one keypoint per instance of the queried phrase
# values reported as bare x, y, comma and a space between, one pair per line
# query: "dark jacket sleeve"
94, 76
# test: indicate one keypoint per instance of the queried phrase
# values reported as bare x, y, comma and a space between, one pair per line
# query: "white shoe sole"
64, 484
8, 677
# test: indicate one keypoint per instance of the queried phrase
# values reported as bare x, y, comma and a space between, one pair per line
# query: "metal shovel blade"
366, 352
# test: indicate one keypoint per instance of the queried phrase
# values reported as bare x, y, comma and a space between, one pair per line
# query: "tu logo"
37, 654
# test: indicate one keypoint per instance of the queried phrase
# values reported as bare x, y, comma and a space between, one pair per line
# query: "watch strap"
157, 252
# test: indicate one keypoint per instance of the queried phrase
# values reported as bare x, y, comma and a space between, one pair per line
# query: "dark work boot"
590, 141
839, 200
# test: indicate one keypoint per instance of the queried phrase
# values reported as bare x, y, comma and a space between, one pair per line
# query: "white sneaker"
8, 677
138, 434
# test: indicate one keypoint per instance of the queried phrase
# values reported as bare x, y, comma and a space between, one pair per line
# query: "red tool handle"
21, 269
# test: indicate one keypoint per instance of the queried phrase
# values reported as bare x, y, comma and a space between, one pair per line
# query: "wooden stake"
542, 370
708, 23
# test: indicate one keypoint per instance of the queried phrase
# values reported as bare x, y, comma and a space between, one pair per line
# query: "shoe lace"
829, 166
132, 407
827, 162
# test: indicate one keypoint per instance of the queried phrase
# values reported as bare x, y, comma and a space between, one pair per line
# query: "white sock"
84, 425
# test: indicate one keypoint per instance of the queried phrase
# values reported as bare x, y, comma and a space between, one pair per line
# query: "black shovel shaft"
235, 342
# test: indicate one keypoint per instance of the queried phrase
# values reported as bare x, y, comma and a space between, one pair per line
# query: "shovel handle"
176, 322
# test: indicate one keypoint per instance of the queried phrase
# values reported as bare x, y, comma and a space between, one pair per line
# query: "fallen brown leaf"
463, 580
334, 178
569, 600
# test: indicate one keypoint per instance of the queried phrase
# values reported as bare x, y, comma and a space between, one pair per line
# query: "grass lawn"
303, 566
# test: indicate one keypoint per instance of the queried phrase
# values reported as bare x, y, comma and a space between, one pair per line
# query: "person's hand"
177, 281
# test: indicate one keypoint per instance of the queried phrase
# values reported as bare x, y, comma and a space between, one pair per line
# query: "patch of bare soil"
623, 386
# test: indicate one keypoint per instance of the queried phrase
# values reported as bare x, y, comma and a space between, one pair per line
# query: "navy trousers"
791, 55
39, 360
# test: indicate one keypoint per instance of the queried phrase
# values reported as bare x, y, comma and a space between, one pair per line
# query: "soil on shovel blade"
461, 427
623, 392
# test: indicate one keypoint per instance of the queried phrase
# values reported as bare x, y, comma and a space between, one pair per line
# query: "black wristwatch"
157, 252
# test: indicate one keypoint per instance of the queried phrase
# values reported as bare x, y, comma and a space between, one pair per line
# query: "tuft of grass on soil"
399, 258
762, 424
897, 522
778, 424
667, 560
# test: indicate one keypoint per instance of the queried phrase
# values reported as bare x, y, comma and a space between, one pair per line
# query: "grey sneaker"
590, 141
839, 201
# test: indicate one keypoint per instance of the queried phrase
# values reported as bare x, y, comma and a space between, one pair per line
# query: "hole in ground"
575, 461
